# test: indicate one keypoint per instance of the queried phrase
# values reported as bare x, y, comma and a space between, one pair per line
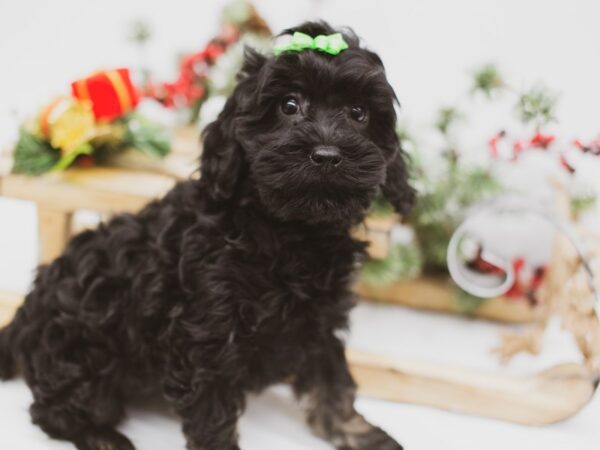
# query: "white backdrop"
428, 46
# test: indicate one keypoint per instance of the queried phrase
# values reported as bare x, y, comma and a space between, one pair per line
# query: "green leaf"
467, 303
537, 106
236, 12
381, 207
487, 80
140, 32
440, 208
66, 160
33, 155
582, 204
146, 136
403, 261
446, 118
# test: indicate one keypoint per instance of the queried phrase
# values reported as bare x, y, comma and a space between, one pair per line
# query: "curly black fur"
230, 283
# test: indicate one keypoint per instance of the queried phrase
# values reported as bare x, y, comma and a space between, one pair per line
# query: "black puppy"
230, 283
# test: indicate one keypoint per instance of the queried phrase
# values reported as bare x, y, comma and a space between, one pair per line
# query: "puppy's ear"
396, 188
222, 161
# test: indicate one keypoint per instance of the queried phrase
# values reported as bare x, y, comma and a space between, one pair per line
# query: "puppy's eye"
290, 106
358, 113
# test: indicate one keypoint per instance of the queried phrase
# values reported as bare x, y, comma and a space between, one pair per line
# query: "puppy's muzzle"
326, 156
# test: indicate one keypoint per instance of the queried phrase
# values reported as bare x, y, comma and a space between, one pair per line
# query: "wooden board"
539, 399
376, 230
59, 195
176, 165
439, 294
101, 189
54, 228
9, 302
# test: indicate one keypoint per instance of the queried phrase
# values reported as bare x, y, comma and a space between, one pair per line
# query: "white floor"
274, 421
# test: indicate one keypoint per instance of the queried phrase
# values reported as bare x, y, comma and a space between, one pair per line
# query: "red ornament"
190, 85
111, 92
540, 140
85, 161
593, 147
493, 144
518, 148
565, 164
516, 289
481, 265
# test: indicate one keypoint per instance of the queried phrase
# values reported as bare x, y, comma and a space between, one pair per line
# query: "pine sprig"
537, 106
402, 262
487, 80
440, 208
146, 136
446, 118
140, 32
381, 207
33, 155
467, 303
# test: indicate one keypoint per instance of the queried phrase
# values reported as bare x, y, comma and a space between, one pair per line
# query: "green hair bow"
332, 43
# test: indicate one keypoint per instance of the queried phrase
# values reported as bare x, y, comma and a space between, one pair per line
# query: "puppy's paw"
204, 447
104, 439
376, 439
372, 439
349, 431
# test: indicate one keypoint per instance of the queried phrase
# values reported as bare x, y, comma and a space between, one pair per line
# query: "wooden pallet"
440, 294
543, 398
58, 195
9, 302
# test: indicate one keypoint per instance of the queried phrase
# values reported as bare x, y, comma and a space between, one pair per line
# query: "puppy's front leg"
209, 413
326, 387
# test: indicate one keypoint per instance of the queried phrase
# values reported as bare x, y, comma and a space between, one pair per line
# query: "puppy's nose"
326, 155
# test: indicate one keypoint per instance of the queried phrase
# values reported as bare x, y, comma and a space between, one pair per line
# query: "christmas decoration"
570, 291
402, 261
487, 80
193, 83
537, 107
97, 120
111, 93
68, 124
451, 185
33, 154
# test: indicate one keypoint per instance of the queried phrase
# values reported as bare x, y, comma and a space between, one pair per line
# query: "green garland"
446, 195
146, 136
402, 262
34, 155
440, 207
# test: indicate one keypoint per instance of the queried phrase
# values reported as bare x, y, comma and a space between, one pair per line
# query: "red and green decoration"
536, 109
83, 128
526, 285
449, 189
192, 85
99, 117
